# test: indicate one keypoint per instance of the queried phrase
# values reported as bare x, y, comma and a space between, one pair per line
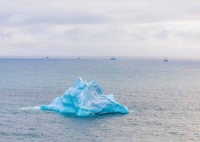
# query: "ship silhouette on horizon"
113, 58
165, 60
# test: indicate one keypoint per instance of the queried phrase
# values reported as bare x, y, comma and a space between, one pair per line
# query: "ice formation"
85, 99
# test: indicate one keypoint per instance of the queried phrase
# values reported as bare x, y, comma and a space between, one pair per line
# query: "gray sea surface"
163, 99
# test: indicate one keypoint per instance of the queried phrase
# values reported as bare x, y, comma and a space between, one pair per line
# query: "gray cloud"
5, 34
71, 18
187, 34
93, 34
18, 19
163, 34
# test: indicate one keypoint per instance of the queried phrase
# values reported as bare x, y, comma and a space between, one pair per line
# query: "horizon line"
97, 57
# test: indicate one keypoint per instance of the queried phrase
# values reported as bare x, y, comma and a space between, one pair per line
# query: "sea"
163, 99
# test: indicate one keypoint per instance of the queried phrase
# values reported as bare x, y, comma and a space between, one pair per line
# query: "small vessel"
165, 60
47, 57
113, 58
78, 58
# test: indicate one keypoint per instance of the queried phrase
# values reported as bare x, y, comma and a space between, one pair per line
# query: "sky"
62, 28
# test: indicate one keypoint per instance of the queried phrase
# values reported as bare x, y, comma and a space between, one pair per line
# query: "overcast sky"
100, 28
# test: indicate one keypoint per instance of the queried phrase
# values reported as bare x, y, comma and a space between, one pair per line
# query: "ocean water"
163, 99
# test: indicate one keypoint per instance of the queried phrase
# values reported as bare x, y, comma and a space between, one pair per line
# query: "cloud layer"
100, 28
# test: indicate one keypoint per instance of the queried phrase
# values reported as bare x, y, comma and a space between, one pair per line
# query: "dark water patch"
3, 133
31, 129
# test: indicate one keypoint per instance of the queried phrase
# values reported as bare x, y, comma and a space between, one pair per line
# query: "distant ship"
47, 57
113, 58
78, 58
165, 60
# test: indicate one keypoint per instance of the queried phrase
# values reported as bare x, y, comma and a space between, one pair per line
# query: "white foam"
30, 108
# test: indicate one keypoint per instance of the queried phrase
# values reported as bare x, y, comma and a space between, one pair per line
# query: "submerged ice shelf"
85, 99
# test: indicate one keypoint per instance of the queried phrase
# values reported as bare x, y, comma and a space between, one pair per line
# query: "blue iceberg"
85, 99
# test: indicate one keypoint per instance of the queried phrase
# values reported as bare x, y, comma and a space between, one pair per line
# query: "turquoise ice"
85, 99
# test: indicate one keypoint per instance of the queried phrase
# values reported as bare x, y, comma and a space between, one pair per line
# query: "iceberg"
85, 99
